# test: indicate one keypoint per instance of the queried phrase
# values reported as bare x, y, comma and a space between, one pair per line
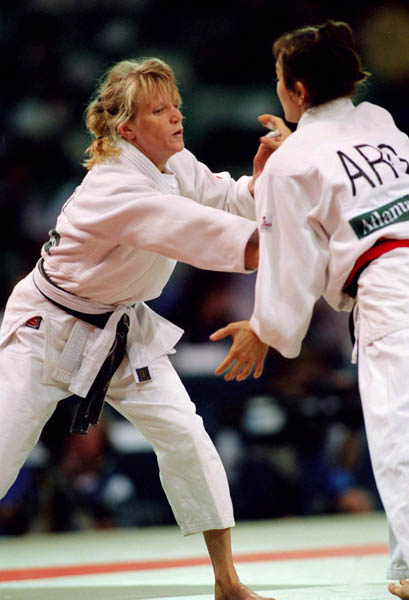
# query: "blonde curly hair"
117, 99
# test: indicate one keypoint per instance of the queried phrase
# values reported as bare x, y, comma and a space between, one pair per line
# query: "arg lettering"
371, 165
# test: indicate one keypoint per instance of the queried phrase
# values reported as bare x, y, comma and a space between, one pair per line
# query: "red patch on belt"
34, 322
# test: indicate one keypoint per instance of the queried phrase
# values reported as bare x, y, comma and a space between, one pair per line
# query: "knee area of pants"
185, 438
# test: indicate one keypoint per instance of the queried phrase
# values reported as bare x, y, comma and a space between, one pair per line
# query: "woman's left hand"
246, 352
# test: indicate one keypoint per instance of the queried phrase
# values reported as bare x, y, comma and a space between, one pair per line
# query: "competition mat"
308, 558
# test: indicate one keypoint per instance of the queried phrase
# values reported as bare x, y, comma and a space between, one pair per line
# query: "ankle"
227, 588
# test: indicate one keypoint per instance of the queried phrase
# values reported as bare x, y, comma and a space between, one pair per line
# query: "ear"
301, 93
127, 131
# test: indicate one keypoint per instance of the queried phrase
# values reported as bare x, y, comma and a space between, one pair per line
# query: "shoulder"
293, 156
117, 177
182, 160
374, 111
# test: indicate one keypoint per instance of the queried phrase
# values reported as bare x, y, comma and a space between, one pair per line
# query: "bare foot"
402, 590
241, 592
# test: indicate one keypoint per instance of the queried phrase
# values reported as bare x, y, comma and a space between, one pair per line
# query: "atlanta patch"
388, 214
34, 322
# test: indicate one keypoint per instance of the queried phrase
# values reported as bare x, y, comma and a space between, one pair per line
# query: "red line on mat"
21, 574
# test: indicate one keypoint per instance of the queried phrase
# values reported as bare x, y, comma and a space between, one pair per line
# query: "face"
157, 130
290, 101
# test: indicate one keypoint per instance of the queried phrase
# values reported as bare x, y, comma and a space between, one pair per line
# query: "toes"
402, 591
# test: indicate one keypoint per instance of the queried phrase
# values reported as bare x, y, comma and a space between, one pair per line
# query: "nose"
176, 115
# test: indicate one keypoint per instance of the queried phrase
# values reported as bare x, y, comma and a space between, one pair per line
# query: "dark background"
292, 442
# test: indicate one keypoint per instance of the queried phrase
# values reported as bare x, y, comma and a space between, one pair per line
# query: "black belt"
98, 320
90, 408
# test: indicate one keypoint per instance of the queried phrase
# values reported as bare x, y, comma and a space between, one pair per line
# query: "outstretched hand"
247, 352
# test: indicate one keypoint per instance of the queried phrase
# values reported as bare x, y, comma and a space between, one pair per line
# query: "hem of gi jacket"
201, 526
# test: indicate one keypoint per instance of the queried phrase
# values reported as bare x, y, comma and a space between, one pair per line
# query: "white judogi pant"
383, 376
382, 326
191, 471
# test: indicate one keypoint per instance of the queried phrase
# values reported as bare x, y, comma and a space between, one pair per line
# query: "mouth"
179, 132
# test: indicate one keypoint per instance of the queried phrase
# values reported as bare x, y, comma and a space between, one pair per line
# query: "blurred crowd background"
293, 442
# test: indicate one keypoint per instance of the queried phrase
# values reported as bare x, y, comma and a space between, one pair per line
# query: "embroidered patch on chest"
266, 222
34, 322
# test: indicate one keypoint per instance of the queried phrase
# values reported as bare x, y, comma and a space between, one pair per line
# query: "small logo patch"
34, 322
266, 222
143, 374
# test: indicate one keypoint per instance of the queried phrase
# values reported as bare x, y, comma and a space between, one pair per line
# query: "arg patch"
34, 322
143, 374
388, 214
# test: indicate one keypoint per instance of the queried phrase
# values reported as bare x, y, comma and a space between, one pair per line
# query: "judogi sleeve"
138, 215
219, 190
293, 260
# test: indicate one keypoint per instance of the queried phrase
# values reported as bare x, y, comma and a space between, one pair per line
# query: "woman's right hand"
268, 144
279, 126
247, 352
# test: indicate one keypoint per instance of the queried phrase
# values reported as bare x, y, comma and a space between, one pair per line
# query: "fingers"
266, 118
233, 373
402, 590
270, 143
246, 352
277, 123
239, 372
245, 372
271, 121
259, 369
220, 334
395, 589
225, 364
236, 368
230, 329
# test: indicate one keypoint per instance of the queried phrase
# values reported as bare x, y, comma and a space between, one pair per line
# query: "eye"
158, 111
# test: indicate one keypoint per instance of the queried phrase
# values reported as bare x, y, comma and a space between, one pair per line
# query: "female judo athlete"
333, 214
77, 325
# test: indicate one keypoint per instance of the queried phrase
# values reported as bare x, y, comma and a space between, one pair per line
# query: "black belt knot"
89, 408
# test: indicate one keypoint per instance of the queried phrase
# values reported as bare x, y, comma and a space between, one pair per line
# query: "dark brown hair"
324, 58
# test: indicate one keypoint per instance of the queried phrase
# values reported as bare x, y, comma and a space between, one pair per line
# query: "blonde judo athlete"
78, 325
333, 214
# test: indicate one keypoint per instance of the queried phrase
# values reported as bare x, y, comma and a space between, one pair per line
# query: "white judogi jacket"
115, 245
325, 196
121, 232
